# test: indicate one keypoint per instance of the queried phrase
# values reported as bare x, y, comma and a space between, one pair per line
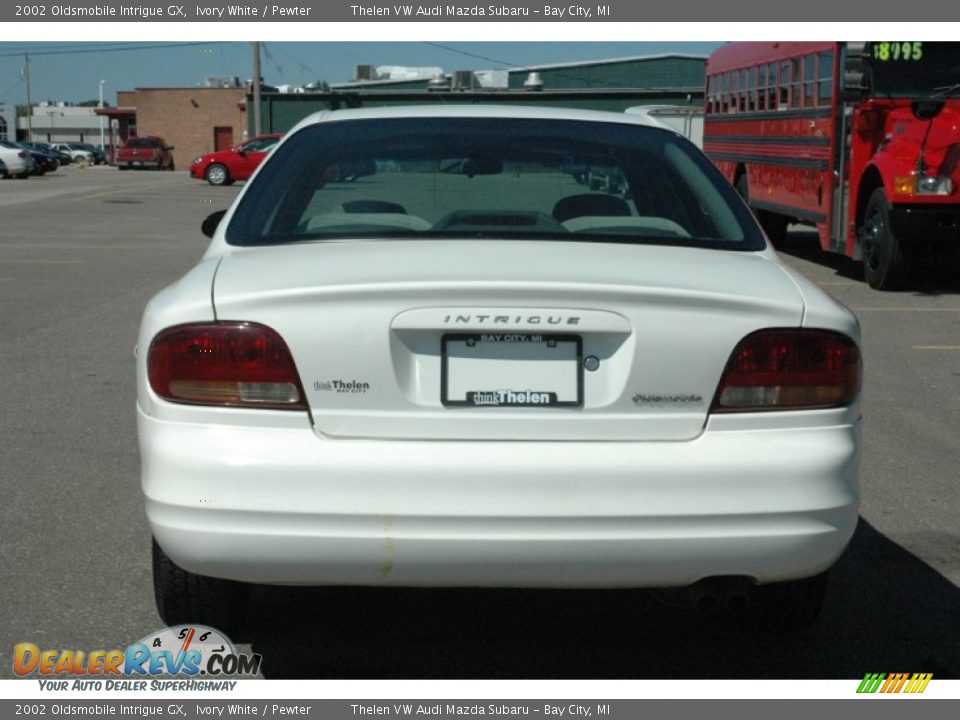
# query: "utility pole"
26, 73
100, 105
256, 88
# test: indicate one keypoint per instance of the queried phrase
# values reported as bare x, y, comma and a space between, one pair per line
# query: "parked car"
17, 161
43, 162
144, 152
99, 157
62, 157
464, 369
227, 166
79, 154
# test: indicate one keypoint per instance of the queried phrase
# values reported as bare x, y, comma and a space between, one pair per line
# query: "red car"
222, 168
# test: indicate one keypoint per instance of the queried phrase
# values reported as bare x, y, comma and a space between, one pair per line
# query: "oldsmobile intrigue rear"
419, 352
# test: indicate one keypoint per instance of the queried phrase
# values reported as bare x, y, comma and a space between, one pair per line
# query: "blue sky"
71, 71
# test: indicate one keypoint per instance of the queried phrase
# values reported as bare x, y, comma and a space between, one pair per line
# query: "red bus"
860, 140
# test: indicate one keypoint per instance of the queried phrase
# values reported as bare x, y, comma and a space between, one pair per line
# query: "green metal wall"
667, 72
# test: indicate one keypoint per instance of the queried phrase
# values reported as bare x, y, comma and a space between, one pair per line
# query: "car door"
253, 154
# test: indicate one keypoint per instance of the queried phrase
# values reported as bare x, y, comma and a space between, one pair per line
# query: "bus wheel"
884, 263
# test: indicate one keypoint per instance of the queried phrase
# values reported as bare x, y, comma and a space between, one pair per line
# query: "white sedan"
17, 162
418, 353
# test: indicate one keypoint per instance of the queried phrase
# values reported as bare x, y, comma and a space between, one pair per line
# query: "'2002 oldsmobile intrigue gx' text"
418, 352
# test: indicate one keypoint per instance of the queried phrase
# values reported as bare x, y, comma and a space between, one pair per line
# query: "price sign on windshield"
897, 51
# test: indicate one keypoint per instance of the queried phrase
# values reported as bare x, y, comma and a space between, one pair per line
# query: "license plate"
137, 163
511, 370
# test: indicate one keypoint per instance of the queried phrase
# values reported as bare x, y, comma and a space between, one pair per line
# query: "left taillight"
229, 364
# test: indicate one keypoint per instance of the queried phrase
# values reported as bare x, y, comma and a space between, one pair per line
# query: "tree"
93, 103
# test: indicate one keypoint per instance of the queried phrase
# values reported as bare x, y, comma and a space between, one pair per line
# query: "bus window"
753, 88
743, 91
809, 73
796, 83
783, 100
762, 88
771, 86
825, 82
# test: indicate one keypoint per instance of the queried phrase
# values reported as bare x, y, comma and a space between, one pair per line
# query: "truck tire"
884, 259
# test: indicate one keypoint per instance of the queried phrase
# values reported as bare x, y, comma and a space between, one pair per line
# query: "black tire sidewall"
883, 259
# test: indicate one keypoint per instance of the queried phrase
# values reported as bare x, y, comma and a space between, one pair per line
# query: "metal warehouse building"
615, 85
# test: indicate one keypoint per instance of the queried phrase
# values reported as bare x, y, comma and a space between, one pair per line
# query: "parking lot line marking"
936, 347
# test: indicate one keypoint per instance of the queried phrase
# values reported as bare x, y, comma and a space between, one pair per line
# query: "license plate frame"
534, 398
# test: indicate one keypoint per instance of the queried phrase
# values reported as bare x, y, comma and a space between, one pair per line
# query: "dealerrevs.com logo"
190, 651
911, 683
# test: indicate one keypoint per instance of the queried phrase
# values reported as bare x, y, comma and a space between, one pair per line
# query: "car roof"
520, 112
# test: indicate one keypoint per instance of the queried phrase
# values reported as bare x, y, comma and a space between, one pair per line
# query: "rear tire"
884, 258
183, 598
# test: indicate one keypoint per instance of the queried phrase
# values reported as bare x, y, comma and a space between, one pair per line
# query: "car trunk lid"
381, 333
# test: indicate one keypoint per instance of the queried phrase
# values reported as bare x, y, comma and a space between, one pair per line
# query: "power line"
108, 49
272, 60
478, 57
279, 49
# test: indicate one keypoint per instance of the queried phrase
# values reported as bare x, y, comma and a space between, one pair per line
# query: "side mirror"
241, 152
210, 223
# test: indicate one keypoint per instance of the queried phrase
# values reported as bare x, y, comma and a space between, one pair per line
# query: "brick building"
194, 120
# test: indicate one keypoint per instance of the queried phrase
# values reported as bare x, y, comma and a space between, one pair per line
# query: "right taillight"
790, 369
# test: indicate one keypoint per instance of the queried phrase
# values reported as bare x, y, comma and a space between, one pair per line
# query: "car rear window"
142, 143
491, 178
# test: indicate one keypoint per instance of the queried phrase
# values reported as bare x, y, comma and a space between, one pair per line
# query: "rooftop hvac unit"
533, 82
463, 80
439, 82
221, 81
365, 73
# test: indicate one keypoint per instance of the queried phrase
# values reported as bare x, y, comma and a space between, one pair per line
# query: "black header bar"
581, 11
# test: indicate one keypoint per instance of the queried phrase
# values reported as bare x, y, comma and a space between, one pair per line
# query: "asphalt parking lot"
81, 251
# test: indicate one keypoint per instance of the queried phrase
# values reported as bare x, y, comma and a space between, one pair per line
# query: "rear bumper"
139, 163
285, 506
926, 223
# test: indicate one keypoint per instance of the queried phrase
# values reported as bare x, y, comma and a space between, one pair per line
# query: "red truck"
150, 151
